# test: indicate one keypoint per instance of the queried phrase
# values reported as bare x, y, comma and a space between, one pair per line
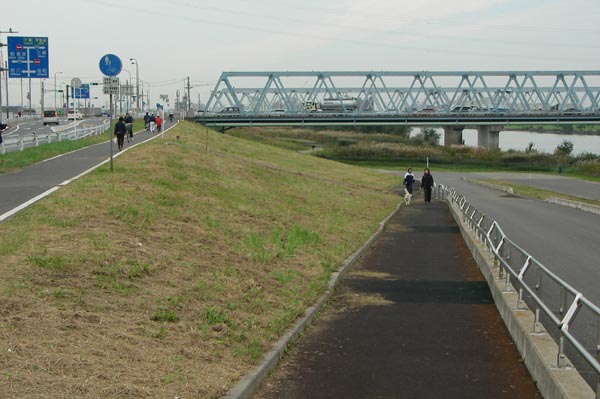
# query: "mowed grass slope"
173, 275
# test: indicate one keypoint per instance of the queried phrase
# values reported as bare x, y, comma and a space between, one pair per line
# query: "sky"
174, 40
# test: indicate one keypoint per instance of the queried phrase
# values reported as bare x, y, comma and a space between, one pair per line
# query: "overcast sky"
175, 39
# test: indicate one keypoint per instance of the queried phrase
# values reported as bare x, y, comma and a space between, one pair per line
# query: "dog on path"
407, 197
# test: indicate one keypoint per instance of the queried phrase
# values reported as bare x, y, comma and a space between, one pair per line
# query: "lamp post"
137, 83
55, 89
127, 95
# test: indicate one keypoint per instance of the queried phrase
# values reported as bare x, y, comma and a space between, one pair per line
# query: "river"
543, 142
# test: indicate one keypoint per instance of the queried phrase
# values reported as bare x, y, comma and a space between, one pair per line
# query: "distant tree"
564, 149
429, 136
530, 147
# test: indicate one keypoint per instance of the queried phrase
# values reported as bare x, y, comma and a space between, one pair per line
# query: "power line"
308, 34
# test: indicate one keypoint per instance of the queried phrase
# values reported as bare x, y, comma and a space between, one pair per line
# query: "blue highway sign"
28, 57
82, 92
110, 65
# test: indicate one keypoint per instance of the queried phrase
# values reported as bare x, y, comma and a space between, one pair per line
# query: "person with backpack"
129, 125
152, 123
120, 131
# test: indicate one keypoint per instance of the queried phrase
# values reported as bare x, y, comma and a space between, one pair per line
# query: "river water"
543, 142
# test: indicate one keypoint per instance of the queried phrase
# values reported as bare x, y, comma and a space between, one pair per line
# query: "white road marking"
24, 205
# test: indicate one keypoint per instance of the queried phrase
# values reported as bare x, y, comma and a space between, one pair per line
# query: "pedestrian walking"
159, 123
129, 125
560, 169
147, 121
409, 180
152, 123
120, 131
171, 117
427, 185
3, 126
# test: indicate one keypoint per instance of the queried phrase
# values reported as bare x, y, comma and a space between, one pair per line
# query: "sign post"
75, 84
110, 65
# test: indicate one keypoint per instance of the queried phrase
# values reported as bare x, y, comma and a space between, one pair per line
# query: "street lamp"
128, 93
137, 84
55, 89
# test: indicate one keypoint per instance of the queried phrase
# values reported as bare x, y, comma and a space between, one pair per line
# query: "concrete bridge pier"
489, 137
453, 135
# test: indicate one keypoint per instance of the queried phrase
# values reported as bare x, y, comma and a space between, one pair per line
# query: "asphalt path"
556, 183
24, 185
413, 319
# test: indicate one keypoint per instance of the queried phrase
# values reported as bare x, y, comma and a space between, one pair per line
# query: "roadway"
392, 118
559, 184
23, 185
29, 126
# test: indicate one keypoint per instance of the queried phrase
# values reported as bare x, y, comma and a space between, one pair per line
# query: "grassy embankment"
19, 159
173, 275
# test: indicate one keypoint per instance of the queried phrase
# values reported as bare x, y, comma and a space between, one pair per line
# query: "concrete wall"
453, 135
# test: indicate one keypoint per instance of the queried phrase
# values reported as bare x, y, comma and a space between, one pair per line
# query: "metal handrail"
34, 139
495, 239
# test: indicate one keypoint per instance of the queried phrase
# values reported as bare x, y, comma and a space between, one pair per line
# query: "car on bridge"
230, 110
277, 112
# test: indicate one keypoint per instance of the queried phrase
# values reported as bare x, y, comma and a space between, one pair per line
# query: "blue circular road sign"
110, 65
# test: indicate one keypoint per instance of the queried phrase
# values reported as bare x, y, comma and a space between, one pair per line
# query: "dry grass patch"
173, 275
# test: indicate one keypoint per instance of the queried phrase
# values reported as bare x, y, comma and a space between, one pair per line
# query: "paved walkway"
21, 186
560, 184
414, 319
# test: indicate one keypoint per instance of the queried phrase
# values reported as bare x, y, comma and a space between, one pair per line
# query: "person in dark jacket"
120, 131
129, 125
427, 185
147, 121
3, 126
409, 180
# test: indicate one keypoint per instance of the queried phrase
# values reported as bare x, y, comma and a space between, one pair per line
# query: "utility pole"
42, 101
177, 100
189, 105
6, 80
5, 70
67, 110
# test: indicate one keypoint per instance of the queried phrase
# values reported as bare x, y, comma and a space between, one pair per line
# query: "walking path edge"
248, 385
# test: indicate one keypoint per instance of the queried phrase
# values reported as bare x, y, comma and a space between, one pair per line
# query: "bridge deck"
414, 319
382, 119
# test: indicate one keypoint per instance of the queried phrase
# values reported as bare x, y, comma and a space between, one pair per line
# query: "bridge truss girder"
256, 93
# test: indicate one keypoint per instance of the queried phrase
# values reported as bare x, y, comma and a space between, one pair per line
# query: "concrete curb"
506, 189
248, 385
539, 351
582, 206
